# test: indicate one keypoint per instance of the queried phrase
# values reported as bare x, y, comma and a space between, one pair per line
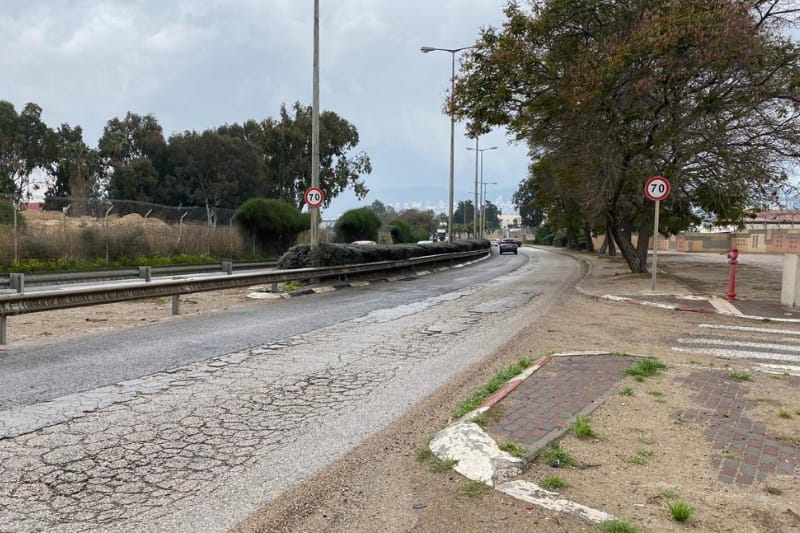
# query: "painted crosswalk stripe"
740, 354
751, 329
741, 344
778, 369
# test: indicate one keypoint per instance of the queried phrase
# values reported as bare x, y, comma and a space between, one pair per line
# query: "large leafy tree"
215, 171
608, 93
23, 146
134, 150
285, 146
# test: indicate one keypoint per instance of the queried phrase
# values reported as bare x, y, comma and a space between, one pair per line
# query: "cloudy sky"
197, 64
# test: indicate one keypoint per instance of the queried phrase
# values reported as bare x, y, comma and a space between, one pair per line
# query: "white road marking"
741, 344
750, 329
739, 354
778, 369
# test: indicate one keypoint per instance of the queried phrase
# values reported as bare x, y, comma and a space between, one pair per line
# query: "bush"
402, 232
7, 215
275, 224
357, 225
328, 254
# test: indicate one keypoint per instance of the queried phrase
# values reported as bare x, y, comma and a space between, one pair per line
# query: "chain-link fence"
111, 230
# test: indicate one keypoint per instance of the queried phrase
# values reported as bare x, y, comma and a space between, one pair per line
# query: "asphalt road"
190, 425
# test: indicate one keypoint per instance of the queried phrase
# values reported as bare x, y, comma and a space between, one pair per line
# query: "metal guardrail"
49, 278
47, 300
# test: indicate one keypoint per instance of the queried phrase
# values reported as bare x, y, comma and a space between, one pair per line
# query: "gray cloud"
196, 65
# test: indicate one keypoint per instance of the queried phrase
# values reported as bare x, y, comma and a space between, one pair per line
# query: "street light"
453, 52
480, 150
483, 201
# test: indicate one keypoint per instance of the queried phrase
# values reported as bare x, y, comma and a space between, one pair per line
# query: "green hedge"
329, 254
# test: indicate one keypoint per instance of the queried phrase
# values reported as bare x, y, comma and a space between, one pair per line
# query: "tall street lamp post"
453, 52
480, 150
483, 202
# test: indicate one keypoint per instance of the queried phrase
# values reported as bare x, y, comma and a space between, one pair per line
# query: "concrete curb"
479, 458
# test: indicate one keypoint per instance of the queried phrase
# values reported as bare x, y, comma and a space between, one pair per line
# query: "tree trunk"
622, 236
587, 233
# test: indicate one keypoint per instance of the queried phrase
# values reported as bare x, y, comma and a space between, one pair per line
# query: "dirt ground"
381, 486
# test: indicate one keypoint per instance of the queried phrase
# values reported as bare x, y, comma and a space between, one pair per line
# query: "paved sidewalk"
537, 408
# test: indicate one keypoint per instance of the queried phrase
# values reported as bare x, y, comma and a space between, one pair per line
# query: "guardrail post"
227, 266
145, 273
176, 304
3, 337
274, 288
17, 281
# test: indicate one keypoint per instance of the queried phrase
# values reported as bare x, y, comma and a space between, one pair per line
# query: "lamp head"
426, 49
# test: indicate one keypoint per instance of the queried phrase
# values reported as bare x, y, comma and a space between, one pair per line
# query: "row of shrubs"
329, 254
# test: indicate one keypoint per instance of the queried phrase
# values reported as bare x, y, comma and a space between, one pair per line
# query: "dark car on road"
508, 245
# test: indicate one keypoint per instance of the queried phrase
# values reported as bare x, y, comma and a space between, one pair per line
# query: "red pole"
733, 256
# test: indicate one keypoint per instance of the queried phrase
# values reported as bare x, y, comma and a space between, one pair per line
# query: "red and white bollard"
733, 260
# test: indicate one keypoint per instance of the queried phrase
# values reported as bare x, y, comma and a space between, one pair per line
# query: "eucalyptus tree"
704, 92
23, 146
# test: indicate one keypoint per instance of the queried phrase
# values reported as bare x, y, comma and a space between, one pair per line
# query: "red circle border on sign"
651, 180
321, 197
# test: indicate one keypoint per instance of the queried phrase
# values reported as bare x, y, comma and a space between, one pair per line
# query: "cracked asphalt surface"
199, 446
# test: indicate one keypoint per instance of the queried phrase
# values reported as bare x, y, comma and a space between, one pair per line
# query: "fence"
116, 229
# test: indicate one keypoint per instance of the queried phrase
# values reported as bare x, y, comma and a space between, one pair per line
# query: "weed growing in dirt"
617, 526
641, 457
424, 455
775, 491
582, 428
740, 375
443, 465
481, 421
475, 488
645, 368
669, 495
783, 413
514, 449
656, 393
626, 391
553, 483
494, 384
680, 511
556, 456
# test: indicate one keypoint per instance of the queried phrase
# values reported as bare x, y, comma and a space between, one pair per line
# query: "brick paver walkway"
546, 401
743, 451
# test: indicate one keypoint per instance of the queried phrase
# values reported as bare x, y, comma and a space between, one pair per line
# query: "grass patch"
637, 460
555, 456
645, 368
669, 495
617, 526
553, 483
424, 455
582, 428
783, 413
626, 391
475, 488
290, 286
680, 511
740, 375
493, 386
514, 449
443, 465
775, 491
481, 421
645, 452
656, 393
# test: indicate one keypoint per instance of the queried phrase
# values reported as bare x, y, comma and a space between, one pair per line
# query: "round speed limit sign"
314, 197
657, 188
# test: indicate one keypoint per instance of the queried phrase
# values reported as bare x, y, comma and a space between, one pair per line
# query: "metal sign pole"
655, 245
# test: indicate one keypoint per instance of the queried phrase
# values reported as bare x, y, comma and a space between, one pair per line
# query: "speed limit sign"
314, 197
657, 188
